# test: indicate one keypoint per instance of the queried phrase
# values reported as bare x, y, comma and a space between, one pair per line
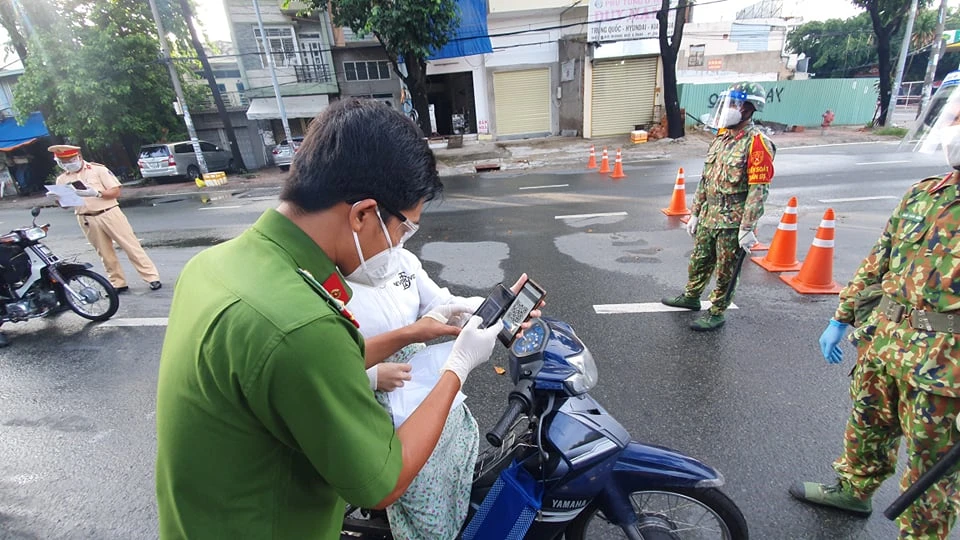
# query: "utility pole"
273, 73
904, 50
175, 77
212, 82
935, 52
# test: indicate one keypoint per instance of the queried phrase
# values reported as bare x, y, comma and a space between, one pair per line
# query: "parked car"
177, 159
283, 153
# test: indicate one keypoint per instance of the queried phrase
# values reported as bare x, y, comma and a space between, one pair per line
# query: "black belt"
91, 214
720, 198
920, 319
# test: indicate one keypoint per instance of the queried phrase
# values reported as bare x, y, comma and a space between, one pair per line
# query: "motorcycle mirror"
35, 211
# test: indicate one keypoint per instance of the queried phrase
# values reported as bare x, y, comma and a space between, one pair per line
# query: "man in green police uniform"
728, 202
265, 419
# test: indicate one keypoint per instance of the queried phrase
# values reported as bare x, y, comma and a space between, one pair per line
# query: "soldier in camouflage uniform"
728, 201
906, 382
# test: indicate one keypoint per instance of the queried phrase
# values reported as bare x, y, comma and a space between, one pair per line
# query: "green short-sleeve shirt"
265, 418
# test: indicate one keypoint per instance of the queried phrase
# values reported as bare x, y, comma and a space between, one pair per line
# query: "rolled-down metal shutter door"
623, 95
522, 101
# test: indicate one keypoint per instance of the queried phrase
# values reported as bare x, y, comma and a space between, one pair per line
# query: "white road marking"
218, 207
858, 199
545, 187
585, 216
649, 307
883, 162
835, 144
144, 321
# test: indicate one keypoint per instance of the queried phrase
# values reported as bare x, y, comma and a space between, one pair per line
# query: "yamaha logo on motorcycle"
34, 282
591, 480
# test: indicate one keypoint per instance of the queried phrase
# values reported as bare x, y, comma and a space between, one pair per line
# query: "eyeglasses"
410, 228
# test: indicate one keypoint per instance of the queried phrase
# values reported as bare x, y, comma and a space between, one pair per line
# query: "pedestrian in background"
100, 217
906, 382
728, 201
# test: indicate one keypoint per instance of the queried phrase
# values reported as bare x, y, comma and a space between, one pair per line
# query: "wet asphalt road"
755, 399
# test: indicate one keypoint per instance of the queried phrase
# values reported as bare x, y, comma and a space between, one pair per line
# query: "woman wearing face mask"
728, 202
399, 308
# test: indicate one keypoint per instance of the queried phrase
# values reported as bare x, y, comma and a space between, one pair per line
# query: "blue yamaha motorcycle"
584, 477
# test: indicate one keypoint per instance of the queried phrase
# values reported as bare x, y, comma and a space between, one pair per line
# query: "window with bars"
697, 53
366, 71
282, 44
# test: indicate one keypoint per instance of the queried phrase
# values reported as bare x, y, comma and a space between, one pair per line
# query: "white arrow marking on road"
649, 307
546, 187
218, 207
858, 199
883, 162
585, 216
145, 321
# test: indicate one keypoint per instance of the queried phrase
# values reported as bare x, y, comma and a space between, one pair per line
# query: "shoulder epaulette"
335, 303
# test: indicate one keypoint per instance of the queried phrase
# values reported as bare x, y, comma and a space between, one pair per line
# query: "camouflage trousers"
886, 408
713, 248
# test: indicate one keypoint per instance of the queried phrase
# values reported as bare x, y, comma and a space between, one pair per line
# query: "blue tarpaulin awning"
13, 135
471, 37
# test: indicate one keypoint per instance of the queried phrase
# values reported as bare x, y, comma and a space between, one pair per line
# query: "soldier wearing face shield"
906, 381
728, 201
100, 217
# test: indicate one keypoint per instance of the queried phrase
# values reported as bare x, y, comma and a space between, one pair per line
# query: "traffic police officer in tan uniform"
100, 217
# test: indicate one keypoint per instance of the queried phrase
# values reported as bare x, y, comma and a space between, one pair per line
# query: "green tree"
410, 29
836, 47
98, 79
887, 18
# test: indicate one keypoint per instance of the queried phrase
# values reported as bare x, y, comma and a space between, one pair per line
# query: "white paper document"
66, 196
424, 373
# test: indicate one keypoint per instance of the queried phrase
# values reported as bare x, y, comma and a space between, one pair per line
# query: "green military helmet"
749, 91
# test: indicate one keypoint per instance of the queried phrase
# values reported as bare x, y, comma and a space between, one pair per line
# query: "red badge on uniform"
760, 164
336, 288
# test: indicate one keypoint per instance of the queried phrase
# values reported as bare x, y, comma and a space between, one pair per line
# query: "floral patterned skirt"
436, 503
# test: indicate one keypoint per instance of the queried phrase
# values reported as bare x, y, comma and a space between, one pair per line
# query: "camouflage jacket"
724, 199
917, 262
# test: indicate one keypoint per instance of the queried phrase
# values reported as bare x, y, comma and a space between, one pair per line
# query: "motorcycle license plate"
45, 250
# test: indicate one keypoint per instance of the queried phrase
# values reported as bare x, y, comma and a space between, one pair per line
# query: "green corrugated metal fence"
796, 103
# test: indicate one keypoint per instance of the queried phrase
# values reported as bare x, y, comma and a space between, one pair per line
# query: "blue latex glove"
830, 341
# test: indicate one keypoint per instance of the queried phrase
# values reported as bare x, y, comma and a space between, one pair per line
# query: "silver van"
177, 159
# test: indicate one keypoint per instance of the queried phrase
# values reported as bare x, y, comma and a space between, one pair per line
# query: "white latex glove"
472, 348
473, 301
451, 310
90, 192
692, 226
747, 240
53, 195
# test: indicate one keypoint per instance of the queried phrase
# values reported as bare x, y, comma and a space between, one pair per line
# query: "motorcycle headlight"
34, 234
586, 377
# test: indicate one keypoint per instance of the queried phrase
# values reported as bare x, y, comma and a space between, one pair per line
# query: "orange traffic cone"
678, 204
592, 163
604, 163
618, 167
782, 256
816, 274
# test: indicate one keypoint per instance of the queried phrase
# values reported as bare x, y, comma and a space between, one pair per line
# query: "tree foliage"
95, 73
410, 30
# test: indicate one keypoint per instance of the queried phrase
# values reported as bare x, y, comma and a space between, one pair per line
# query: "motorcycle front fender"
67, 268
642, 467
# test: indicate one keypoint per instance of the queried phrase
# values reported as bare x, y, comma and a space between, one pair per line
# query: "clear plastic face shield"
937, 131
728, 111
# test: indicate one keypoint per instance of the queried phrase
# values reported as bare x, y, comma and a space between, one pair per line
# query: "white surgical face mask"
379, 269
731, 117
70, 166
951, 146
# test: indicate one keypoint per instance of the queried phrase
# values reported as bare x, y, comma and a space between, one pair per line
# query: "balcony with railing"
298, 73
231, 100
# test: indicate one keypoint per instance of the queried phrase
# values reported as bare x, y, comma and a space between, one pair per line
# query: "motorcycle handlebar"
521, 397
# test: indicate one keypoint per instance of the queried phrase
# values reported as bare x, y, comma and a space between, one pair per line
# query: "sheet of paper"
66, 196
424, 373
